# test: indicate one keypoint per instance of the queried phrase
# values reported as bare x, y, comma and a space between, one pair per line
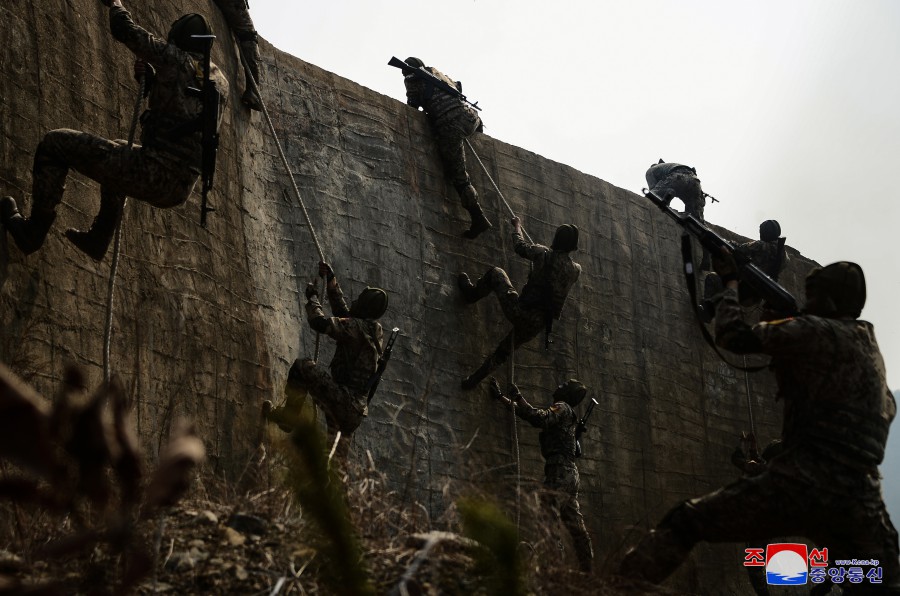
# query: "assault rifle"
582, 427
372, 385
209, 126
764, 286
430, 78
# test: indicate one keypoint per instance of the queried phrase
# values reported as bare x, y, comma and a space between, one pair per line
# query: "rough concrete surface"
207, 321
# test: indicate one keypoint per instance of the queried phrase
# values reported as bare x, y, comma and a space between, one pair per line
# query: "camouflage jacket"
438, 104
557, 424
552, 276
831, 376
765, 255
359, 341
168, 124
660, 171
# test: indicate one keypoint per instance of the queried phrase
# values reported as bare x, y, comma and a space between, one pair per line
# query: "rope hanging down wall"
117, 243
287, 168
496, 188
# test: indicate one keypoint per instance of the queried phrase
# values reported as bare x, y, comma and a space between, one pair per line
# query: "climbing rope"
515, 430
117, 243
252, 82
749, 400
496, 188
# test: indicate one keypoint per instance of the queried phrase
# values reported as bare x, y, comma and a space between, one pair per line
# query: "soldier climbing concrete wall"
207, 323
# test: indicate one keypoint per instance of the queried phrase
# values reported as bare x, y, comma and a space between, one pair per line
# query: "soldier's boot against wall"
479, 223
487, 367
95, 241
712, 295
472, 293
250, 54
289, 415
29, 234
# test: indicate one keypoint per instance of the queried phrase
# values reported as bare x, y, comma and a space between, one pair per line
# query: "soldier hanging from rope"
552, 276
162, 170
237, 14
343, 394
558, 447
453, 120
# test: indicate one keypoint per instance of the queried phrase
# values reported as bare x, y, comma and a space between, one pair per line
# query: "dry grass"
79, 516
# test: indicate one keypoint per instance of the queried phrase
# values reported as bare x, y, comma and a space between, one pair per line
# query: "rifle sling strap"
687, 257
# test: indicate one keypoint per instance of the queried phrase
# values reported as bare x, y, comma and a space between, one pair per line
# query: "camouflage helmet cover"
566, 238
837, 290
769, 230
182, 32
414, 62
571, 392
370, 304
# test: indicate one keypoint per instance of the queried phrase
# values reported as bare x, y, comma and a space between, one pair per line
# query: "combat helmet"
182, 32
370, 304
571, 392
835, 291
566, 238
769, 230
414, 62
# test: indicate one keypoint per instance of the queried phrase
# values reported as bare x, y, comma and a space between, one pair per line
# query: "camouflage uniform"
341, 394
453, 122
676, 180
825, 484
237, 14
557, 439
552, 275
163, 169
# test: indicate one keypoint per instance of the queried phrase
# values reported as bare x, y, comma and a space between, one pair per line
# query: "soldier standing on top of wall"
557, 439
237, 14
825, 484
552, 275
162, 170
671, 180
343, 394
453, 121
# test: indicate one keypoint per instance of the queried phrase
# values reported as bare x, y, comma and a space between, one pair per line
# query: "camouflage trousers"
147, 175
238, 18
344, 408
451, 130
686, 187
774, 504
527, 322
562, 499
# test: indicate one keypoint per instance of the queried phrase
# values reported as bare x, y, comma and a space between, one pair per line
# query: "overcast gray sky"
789, 109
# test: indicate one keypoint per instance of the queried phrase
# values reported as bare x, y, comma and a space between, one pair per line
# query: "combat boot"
95, 242
467, 288
471, 382
288, 416
479, 223
251, 100
29, 234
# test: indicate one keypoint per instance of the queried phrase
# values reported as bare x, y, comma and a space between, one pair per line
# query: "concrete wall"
207, 321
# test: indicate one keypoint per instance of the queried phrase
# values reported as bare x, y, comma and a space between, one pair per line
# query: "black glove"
326, 271
106, 3
495, 389
725, 265
311, 291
